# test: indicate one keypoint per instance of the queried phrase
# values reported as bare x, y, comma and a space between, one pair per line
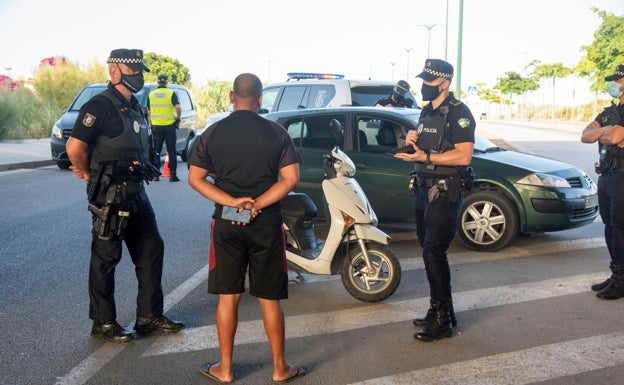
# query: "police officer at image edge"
441, 151
608, 130
110, 149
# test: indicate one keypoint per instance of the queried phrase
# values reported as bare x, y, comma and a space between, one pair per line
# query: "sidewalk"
27, 153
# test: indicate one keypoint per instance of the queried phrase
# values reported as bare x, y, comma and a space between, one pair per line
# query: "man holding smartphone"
254, 164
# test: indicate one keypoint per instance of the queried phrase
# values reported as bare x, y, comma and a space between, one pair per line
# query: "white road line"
521, 367
307, 325
92, 364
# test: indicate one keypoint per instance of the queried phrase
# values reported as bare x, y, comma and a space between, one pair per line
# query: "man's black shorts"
235, 248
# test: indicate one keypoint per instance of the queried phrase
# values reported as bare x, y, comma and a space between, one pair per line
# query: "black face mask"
133, 82
430, 92
398, 97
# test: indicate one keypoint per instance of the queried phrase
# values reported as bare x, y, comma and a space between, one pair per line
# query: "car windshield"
84, 96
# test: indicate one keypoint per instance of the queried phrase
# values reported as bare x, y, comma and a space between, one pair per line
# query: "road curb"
22, 165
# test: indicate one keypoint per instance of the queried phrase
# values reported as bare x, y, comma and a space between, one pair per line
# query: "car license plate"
591, 201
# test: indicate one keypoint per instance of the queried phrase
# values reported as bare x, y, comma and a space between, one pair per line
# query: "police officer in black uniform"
397, 98
110, 150
442, 152
608, 130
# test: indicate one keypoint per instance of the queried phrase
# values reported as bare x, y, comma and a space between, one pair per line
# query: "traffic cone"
166, 172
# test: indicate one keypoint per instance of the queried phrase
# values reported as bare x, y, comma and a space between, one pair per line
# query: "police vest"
162, 112
433, 138
131, 145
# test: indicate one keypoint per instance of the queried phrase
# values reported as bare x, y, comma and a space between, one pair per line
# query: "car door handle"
362, 166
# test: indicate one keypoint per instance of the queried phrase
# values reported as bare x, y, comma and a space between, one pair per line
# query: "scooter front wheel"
374, 284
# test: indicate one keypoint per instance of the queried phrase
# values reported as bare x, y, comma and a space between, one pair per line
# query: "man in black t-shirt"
254, 164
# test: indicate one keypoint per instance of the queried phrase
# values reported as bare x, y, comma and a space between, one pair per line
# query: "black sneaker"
160, 323
111, 331
174, 178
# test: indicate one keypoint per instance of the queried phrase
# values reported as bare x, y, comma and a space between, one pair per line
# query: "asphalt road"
526, 314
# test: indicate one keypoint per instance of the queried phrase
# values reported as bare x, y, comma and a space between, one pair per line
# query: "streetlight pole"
408, 51
392, 63
459, 49
429, 27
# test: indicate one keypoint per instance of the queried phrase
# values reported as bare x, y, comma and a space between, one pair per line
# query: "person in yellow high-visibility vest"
164, 116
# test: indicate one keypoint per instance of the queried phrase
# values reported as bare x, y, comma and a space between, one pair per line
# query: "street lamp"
408, 51
392, 63
429, 27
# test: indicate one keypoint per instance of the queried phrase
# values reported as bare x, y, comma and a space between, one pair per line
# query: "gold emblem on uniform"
88, 120
136, 126
463, 122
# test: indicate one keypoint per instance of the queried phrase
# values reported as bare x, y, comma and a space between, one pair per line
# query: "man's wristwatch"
428, 159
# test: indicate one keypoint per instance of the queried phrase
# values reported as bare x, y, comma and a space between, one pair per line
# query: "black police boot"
423, 321
602, 285
174, 178
110, 331
160, 324
440, 325
615, 289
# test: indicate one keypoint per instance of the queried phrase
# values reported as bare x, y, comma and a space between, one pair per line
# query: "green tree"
510, 85
551, 71
603, 54
164, 65
212, 98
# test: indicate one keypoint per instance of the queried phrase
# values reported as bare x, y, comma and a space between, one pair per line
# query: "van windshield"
369, 95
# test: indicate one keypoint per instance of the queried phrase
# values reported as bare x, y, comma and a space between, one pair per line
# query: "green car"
513, 192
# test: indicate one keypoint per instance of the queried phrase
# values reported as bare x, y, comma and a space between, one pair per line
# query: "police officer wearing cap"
397, 98
164, 115
442, 152
109, 149
608, 130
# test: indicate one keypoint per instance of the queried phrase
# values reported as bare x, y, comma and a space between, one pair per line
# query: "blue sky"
357, 38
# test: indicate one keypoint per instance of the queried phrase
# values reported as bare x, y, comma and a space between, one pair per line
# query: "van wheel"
184, 153
63, 164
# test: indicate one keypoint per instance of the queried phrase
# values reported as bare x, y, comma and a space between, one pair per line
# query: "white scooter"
354, 246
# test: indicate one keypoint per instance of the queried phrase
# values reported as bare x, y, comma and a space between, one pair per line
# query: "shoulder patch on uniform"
88, 120
463, 122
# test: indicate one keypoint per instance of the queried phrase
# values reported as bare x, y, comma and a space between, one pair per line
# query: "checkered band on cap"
124, 60
437, 74
619, 73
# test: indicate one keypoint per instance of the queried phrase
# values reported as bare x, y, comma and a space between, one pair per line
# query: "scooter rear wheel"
376, 284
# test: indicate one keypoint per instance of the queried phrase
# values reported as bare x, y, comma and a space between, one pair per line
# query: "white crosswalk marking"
520, 367
375, 314
378, 314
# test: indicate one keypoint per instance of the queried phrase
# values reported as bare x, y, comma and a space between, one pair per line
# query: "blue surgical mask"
614, 90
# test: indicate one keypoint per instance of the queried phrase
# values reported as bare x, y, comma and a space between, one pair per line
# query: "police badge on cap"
436, 68
133, 58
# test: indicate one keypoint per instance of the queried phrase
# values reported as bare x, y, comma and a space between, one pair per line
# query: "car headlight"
544, 180
57, 132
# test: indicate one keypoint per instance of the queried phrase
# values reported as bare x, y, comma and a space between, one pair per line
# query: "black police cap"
163, 79
133, 58
618, 74
436, 68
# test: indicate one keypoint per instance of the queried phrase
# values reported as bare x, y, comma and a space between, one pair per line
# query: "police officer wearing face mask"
109, 148
397, 98
608, 130
442, 152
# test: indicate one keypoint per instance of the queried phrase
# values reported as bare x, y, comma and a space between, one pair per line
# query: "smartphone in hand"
231, 214
409, 149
